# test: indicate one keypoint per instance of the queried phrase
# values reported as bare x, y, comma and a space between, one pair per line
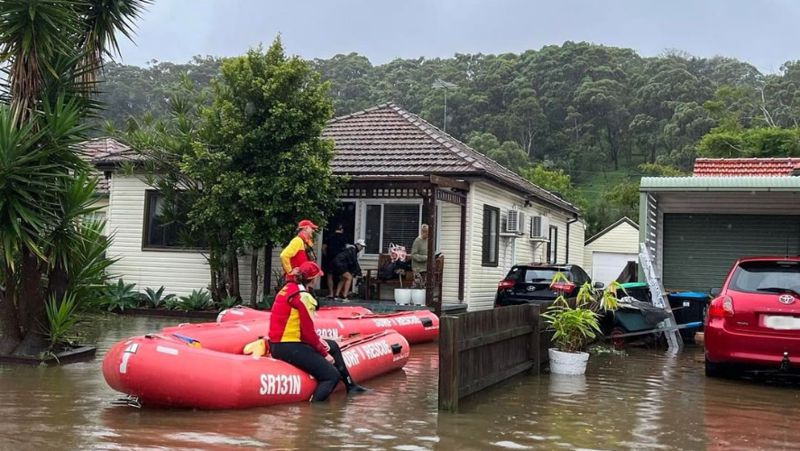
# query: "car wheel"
718, 370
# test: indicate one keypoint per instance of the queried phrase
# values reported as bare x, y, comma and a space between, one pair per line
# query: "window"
491, 235
391, 223
767, 277
552, 246
163, 227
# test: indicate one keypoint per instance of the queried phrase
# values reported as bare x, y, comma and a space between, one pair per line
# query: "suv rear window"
766, 277
532, 275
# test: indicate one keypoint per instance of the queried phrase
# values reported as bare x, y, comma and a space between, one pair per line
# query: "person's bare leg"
348, 278
339, 287
331, 291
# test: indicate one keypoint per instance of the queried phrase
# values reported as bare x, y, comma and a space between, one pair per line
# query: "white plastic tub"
402, 296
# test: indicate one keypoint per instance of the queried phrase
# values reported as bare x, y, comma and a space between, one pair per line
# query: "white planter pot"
402, 296
573, 363
418, 296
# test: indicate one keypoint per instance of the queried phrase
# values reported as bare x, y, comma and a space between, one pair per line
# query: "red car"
755, 319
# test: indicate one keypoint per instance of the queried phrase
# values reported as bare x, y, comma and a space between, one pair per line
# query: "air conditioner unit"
514, 223
539, 226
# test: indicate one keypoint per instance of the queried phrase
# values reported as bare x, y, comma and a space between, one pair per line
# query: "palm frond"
31, 33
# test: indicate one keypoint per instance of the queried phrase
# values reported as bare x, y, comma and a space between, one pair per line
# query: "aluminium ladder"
674, 340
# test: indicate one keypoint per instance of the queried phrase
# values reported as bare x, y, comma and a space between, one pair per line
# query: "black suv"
531, 284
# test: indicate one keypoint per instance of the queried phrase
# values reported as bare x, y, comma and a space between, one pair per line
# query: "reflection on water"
645, 400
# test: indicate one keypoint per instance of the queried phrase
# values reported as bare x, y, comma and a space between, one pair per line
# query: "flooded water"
644, 400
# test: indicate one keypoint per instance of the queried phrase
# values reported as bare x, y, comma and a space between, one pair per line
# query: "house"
403, 172
697, 226
606, 254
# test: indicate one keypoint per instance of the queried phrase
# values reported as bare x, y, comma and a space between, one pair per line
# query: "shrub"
120, 296
156, 299
198, 300
266, 302
61, 318
230, 301
574, 327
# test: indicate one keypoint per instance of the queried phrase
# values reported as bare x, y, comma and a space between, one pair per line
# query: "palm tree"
51, 52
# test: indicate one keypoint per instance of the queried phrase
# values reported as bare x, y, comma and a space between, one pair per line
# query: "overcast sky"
765, 33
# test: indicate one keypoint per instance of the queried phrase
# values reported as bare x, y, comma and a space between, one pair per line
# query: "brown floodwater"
642, 400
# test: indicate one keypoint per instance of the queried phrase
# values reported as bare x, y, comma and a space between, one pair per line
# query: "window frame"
148, 199
486, 259
382, 203
552, 245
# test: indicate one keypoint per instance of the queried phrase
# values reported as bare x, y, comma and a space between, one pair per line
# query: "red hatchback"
755, 319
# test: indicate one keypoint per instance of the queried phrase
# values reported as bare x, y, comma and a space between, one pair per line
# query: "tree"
54, 51
250, 164
509, 154
556, 181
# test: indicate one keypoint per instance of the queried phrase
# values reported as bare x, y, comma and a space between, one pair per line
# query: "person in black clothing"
330, 249
345, 266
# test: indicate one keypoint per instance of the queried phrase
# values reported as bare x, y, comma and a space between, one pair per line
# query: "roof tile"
389, 140
735, 167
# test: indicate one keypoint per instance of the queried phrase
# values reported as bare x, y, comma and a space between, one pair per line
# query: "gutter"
570, 222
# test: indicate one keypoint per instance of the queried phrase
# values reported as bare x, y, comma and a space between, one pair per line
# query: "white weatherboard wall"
577, 233
482, 280
621, 239
179, 271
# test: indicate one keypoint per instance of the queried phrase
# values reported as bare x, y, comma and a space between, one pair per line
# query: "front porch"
376, 200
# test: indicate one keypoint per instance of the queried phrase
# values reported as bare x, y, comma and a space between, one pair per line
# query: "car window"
580, 275
515, 273
764, 277
533, 275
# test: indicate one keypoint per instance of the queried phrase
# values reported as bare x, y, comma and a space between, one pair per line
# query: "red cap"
306, 223
310, 270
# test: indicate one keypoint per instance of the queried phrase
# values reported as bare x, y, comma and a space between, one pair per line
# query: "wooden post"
534, 351
431, 263
449, 373
462, 264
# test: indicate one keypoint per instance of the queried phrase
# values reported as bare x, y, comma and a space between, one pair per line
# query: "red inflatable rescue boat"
167, 370
418, 326
241, 313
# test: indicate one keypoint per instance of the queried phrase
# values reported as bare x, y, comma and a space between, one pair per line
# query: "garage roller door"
699, 250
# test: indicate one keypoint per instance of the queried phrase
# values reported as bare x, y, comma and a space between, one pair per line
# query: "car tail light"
721, 307
506, 284
564, 287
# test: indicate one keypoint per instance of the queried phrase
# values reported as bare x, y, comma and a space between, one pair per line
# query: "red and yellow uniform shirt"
292, 318
299, 251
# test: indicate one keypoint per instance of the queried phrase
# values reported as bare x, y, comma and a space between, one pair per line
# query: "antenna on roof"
441, 84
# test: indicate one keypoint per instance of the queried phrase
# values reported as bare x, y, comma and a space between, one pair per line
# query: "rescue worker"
299, 250
293, 338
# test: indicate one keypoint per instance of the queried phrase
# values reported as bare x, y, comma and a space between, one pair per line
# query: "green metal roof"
744, 183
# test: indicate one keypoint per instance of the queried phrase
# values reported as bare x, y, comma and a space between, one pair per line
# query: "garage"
696, 227
699, 249
606, 253
607, 266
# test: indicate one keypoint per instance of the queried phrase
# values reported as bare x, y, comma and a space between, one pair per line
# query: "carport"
696, 227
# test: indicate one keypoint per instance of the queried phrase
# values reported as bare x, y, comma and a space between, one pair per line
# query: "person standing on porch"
335, 243
346, 267
419, 251
299, 250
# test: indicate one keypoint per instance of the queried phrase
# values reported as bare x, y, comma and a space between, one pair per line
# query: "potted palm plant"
576, 326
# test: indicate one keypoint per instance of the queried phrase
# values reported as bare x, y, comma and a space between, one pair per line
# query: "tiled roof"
107, 151
387, 140
94, 151
383, 141
734, 167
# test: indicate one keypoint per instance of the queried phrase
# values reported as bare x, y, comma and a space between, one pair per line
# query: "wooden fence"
480, 349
